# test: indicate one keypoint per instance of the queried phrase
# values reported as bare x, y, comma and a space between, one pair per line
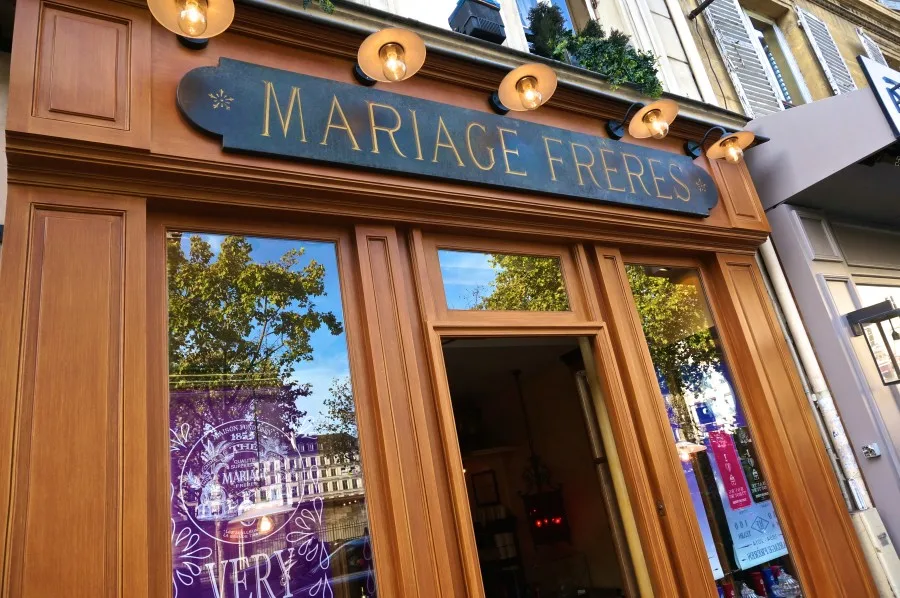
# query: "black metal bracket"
363, 78
616, 128
496, 105
694, 149
874, 313
192, 43
694, 13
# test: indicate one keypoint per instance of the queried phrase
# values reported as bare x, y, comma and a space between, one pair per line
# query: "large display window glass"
267, 494
748, 555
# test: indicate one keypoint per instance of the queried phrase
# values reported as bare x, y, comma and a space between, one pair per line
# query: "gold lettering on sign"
416, 134
469, 147
335, 105
389, 130
580, 165
285, 120
607, 169
507, 152
438, 145
631, 174
551, 158
680, 183
657, 179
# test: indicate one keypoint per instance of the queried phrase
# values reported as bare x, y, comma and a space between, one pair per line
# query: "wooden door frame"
585, 320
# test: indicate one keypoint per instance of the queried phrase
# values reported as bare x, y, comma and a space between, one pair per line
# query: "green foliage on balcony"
610, 56
325, 5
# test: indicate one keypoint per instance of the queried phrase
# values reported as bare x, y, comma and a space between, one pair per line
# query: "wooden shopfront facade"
119, 192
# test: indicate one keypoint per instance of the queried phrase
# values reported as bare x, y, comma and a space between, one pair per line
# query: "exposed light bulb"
657, 126
528, 93
192, 17
393, 61
684, 456
733, 152
265, 524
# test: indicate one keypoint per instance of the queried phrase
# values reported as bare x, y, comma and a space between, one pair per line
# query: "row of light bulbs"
393, 55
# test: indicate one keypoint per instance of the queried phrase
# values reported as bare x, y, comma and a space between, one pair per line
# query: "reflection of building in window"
339, 483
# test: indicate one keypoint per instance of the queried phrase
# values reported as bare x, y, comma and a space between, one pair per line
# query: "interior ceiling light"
650, 120
527, 87
730, 146
389, 56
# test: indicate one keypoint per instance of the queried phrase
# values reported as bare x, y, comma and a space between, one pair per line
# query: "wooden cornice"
340, 193
454, 58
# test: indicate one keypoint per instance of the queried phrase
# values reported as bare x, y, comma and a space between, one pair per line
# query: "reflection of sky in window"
466, 274
329, 354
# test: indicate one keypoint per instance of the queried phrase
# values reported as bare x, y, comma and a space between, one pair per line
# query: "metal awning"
838, 154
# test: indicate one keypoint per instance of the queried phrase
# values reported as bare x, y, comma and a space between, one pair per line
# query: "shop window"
258, 369
476, 280
780, 62
728, 488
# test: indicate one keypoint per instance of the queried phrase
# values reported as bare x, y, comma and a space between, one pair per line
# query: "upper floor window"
525, 7
779, 61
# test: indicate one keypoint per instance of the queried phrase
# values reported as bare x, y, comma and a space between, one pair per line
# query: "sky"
330, 359
463, 273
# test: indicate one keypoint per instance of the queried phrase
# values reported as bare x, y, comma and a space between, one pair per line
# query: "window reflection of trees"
238, 330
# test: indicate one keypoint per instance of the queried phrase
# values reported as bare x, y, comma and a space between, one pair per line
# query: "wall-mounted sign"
270, 111
885, 84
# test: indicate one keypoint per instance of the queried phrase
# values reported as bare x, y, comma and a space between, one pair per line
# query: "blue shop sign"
263, 110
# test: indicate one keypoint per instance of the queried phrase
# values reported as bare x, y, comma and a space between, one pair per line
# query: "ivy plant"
611, 56
325, 5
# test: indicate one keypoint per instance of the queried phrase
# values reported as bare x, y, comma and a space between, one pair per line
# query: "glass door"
542, 471
267, 490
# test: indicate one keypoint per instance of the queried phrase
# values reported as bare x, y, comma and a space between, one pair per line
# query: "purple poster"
251, 514
730, 468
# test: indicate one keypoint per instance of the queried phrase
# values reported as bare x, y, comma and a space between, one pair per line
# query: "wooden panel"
809, 504
79, 468
671, 534
88, 76
397, 390
85, 63
738, 194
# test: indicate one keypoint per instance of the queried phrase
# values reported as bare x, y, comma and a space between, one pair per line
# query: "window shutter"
827, 52
872, 49
743, 58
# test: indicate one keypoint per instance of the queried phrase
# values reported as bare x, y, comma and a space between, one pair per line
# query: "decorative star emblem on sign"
220, 99
701, 186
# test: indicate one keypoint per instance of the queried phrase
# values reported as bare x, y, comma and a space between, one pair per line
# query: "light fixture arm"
616, 128
496, 105
361, 77
694, 149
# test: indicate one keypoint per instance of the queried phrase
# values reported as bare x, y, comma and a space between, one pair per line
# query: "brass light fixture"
730, 146
389, 56
527, 87
194, 21
650, 120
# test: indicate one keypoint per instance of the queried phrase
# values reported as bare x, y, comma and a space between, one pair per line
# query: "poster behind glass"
267, 491
746, 549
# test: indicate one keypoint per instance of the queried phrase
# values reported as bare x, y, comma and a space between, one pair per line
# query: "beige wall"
843, 29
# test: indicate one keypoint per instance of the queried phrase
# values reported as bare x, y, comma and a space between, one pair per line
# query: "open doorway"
543, 500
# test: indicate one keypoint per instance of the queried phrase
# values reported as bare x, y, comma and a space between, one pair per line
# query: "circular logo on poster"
224, 478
